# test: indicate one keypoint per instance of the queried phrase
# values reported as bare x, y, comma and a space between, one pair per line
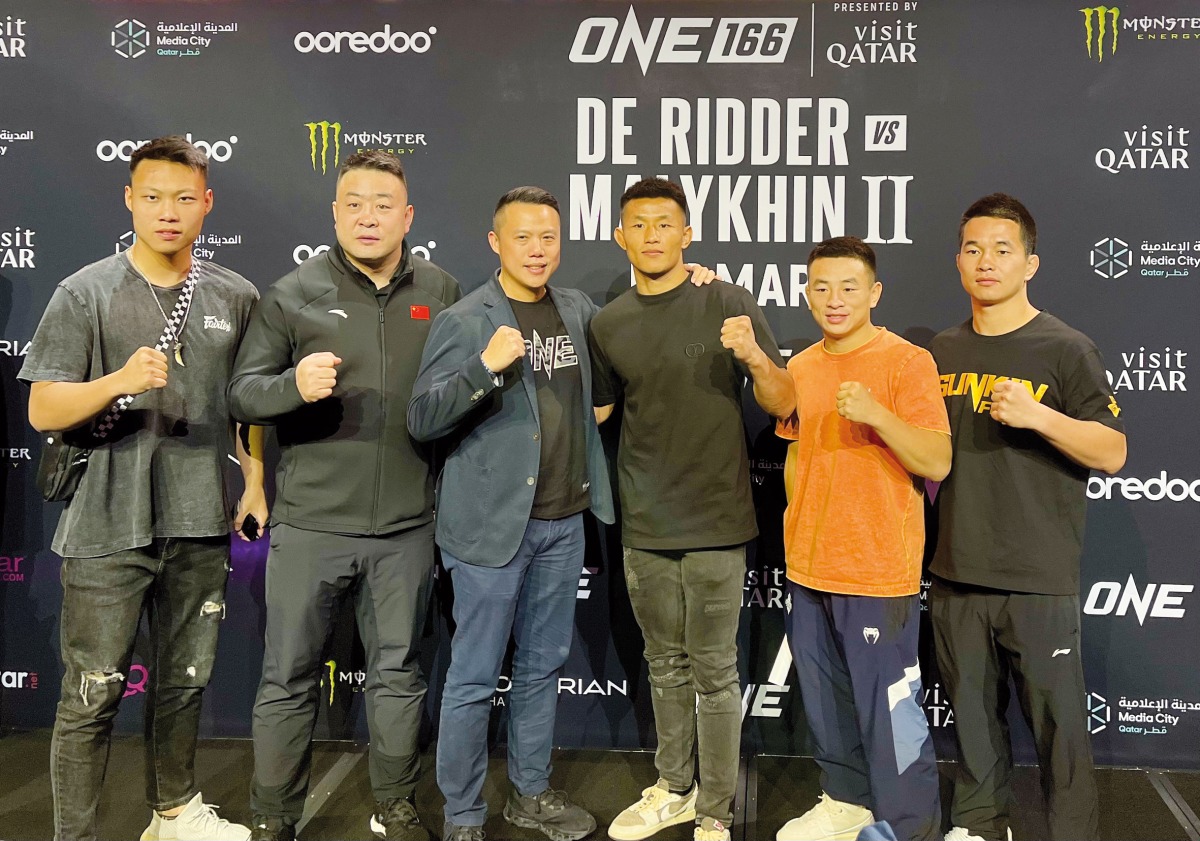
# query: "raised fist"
316, 375
145, 369
506, 346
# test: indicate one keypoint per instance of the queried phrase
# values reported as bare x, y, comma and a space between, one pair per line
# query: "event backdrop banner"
785, 123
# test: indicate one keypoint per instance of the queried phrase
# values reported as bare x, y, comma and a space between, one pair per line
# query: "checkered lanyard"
170, 338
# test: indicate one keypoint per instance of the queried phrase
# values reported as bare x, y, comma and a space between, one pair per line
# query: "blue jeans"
180, 583
531, 598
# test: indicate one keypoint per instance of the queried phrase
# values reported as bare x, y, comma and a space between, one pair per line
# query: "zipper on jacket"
382, 417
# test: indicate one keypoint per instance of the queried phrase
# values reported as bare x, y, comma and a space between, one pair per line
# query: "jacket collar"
338, 259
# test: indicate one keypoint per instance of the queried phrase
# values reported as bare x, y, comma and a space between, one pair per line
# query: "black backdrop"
787, 122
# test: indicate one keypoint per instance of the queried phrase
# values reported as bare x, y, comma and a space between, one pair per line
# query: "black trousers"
982, 637
390, 579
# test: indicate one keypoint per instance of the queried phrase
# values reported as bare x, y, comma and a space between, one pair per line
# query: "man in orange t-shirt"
870, 422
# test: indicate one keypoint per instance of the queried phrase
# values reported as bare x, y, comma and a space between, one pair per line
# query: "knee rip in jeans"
211, 608
98, 677
669, 679
713, 700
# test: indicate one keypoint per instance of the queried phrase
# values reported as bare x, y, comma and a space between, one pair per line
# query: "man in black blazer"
505, 379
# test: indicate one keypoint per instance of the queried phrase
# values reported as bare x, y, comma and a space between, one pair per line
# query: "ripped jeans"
180, 582
688, 604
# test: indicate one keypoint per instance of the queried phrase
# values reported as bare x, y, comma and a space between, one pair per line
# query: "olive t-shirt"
683, 467
160, 471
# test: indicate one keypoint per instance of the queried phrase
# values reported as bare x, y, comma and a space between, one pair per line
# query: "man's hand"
737, 334
316, 376
1013, 405
506, 346
145, 369
701, 275
855, 403
253, 501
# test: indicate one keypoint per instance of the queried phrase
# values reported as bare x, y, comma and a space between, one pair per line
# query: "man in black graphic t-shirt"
506, 382
1031, 413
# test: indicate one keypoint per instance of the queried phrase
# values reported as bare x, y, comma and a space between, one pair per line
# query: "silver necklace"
176, 332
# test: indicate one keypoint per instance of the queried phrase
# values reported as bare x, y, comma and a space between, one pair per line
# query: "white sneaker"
197, 822
658, 809
960, 833
829, 820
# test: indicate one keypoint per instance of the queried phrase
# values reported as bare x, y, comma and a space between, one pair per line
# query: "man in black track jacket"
330, 358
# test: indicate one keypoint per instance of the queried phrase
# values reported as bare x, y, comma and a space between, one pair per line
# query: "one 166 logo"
683, 40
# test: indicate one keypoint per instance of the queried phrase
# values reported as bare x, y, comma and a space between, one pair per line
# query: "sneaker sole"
552, 832
848, 834
634, 833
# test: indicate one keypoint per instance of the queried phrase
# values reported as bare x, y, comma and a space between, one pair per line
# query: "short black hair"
1003, 206
376, 159
173, 148
844, 247
525, 195
655, 188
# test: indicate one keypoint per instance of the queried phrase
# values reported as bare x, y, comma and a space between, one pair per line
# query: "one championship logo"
1097, 21
325, 129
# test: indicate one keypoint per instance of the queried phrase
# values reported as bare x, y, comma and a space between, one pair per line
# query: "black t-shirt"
683, 469
562, 488
1011, 513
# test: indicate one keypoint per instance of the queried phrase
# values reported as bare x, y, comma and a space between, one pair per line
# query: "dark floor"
1136, 805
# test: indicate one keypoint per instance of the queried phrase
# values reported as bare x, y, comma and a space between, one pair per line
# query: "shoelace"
467, 833
207, 819
551, 799
652, 798
398, 809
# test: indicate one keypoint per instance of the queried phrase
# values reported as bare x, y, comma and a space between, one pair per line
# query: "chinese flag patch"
419, 312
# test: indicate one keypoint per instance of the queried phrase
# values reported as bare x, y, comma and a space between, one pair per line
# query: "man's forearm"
1087, 443
773, 387
57, 406
923, 452
250, 459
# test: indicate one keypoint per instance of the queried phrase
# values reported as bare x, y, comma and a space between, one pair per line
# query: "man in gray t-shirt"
148, 524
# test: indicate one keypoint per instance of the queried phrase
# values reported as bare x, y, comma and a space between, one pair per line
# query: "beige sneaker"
658, 809
711, 829
829, 820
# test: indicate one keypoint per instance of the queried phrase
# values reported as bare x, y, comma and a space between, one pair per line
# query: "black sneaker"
396, 820
454, 832
551, 813
264, 828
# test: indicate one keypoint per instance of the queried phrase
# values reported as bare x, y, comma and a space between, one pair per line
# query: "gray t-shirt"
160, 471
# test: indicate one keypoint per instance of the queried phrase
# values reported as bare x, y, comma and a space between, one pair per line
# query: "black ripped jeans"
180, 582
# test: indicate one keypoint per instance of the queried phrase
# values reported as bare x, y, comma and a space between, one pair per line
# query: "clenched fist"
1013, 405
737, 334
145, 369
316, 375
506, 346
855, 403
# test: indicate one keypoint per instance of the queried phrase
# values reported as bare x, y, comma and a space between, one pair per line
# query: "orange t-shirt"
856, 521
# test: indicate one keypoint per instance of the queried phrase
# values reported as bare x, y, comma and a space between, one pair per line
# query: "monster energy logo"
325, 128
1106, 17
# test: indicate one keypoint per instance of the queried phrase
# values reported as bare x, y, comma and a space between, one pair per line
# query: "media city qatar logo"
130, 38
1099, 713
1111, 258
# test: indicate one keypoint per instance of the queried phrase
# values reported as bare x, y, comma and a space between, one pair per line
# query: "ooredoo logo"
218, 151
1156, 489
304, 252
383, 41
